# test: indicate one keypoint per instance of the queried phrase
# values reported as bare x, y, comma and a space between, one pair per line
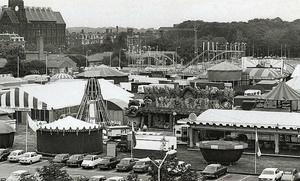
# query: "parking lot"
7, 167
237, 177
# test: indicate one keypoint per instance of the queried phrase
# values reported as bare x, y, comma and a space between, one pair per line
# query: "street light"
86, 59
171, 152
174, 116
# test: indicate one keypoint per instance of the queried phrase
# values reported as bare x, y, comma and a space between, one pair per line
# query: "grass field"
245, 165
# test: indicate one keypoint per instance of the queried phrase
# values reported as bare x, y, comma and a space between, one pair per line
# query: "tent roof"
5, 128
283, 92
224, 66
69, 122
239, 118
262, 73
294, 83
61, 76
296, 72
102, 71
67, 94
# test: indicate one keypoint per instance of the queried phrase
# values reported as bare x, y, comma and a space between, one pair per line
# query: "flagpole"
255, 150
26, 129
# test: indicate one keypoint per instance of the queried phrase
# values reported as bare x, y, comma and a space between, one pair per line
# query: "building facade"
31, 22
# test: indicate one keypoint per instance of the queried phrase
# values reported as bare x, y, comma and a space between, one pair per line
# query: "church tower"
18, 7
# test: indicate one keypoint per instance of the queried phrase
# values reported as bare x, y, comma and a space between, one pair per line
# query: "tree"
132, 177
52, 172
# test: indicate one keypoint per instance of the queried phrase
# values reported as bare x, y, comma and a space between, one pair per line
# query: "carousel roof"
61, 76
69, 122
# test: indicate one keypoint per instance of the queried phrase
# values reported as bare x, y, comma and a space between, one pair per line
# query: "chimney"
117, 27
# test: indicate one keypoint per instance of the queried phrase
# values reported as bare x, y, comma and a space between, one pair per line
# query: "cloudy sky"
158, 13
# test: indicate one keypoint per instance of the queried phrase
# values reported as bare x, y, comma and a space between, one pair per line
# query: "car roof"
30, 152
126, 158
98, 176
272, 169
289, 169
214, 165
17, 151
20, 171
116, 177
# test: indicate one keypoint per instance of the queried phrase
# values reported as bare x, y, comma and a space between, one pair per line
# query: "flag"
133, 138
257, 150
32, 124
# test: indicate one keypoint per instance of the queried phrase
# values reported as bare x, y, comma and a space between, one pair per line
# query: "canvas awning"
251, 119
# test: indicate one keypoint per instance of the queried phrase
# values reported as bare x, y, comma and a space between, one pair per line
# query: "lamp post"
171, 152
18, 66
174, 116
176, 52
86, 59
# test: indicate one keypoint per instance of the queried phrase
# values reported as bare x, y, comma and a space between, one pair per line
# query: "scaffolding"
92, 108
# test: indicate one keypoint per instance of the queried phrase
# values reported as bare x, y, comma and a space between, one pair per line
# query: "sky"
165, 13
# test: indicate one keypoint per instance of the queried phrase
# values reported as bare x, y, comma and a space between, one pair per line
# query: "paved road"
6, 168
237, 177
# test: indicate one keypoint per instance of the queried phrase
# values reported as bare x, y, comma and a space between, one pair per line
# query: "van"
252, 92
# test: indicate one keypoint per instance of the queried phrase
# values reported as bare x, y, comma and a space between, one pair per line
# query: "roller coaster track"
212, 59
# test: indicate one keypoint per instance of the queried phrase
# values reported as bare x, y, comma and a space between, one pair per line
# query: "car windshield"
1, 151
13, 154
140, 163
124, 162
27, 155
287, 172
74, 157
105, 160
88, 157
211, 168
268, 172
59, 156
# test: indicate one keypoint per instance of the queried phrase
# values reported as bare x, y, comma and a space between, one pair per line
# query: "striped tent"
17, 99
262, 73
60, 76
283, 92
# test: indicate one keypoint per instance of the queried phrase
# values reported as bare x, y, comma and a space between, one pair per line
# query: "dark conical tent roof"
5, 128
283, 92
225, 66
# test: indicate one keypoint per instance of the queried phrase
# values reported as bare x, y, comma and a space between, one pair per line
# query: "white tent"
294, 83
61, 95
69, 122
296, 72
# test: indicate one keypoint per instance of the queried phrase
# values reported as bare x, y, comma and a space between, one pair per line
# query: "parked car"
90, 161
270, 174
214, 170
16, 175
78, 177
289, 174
15, 155
61, 159
98, 178
297, 177
109, 162
116, 179
126, 164
179, 169
30, 157
142, 165
4, 154
75, 160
